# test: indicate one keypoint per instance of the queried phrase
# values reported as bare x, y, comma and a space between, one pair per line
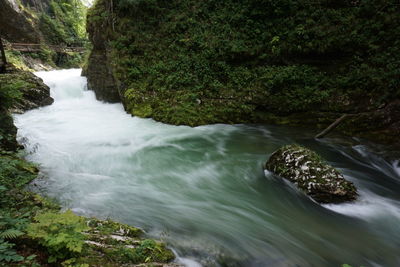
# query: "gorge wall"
16, 23
255, 61
47, 23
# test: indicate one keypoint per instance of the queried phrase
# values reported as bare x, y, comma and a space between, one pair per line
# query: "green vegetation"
10, 90
16, 59
197, 62
16, 207
61, 234
64, 23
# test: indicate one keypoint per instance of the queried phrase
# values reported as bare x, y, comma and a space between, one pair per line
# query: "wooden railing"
22, 47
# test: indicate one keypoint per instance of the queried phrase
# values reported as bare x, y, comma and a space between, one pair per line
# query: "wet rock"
8, 131
99, 70
308, 171
100, 77
16, 24
115, 244
34, 92
27, 92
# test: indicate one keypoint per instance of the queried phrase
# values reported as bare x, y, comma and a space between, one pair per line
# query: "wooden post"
3, 60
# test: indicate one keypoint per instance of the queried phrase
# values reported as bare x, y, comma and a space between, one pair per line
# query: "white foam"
368, 206
189, 262
396, 167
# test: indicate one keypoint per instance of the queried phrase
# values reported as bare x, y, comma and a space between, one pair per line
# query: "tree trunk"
3, 60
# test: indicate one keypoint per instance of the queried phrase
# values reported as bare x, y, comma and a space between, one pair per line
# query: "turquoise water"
203, 189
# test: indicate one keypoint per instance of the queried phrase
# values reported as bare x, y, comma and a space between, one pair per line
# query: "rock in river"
311, 174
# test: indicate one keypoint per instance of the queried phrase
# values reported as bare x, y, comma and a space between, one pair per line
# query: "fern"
11, 234
7, 253
61, 234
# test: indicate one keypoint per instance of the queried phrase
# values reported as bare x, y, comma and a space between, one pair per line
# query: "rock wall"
38, 5
17, 25
8, 131
31, 93
100, 77
3, 60
99, 71
35, 93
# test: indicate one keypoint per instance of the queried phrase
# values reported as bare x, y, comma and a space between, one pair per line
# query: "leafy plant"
12, 226
60, 233
7, 253
10, 91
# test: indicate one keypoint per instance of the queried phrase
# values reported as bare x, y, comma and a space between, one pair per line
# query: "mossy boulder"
21, 91
311, 174
111, 243
34, 92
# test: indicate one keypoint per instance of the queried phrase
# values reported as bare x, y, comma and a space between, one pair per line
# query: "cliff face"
98, 70
100, 77
287, 62
44, 22
38, 5
17, 25
8, 132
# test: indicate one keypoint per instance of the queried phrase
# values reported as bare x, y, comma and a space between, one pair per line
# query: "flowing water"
203, 189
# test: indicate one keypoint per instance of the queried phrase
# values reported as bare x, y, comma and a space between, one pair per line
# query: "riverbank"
34, 231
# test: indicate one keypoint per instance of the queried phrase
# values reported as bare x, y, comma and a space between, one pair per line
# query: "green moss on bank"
198, 62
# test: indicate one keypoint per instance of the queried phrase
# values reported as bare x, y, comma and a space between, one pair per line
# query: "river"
203, 189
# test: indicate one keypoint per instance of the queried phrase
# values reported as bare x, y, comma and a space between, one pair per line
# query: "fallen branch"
332, 126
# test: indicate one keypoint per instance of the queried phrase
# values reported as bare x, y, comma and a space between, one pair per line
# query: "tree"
3, 60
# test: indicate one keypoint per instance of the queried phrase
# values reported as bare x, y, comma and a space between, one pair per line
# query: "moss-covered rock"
100, 77
311, 174
8, 132
114, 244
34, 93
25, 90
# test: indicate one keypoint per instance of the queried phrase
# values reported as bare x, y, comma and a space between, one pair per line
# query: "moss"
109, 227
110, 243
16, 58
146, 251
142, 110
311, 174
249, 64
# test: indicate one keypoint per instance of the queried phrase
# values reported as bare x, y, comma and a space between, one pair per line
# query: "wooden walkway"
22, 47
